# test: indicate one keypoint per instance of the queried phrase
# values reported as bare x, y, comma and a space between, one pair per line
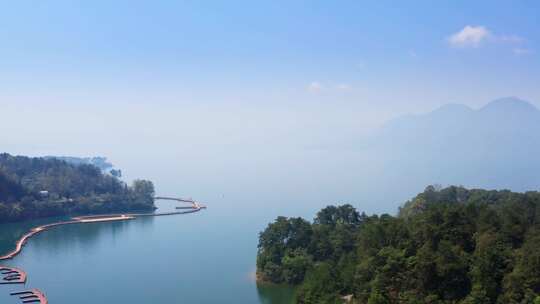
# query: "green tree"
377, 298
447, 246
295, 264
320, 286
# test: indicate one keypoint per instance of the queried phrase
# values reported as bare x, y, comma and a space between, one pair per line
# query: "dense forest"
100, 162
450, 245
40, 187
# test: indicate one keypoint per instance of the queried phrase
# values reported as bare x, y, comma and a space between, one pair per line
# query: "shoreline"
90, 219
36, 295
260, 280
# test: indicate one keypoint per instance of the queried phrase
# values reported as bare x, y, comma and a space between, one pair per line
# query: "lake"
205, 257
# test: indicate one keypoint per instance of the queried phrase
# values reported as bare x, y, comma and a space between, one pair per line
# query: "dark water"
205, 257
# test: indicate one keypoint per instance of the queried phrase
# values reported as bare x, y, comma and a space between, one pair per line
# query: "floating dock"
17, 276
194, 207
31, 296
11, 275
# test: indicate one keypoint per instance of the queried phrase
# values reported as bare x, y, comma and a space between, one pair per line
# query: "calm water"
206, 257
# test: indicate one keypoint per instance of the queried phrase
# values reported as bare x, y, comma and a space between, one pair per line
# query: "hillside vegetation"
39, 187
450, 245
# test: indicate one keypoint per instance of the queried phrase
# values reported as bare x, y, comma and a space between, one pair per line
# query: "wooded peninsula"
33, 187
451, 245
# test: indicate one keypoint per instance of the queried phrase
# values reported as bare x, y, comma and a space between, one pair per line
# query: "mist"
256, 153
296, 157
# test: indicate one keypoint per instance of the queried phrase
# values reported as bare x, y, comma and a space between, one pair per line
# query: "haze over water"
209, 256
257, 110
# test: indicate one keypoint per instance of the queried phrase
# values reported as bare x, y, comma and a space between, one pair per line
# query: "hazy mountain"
496, 146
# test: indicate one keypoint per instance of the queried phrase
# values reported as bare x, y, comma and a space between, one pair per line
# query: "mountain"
496, 146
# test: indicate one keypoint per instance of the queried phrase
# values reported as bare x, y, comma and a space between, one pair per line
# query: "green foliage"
295, 263
320, 286
40, 187
333, 216
450, 245
377, 298
282, 257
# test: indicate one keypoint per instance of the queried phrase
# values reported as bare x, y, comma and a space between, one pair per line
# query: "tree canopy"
38, 187
451, 245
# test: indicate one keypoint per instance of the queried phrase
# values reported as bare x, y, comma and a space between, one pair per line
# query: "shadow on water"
11, 232
83, 235
275, 294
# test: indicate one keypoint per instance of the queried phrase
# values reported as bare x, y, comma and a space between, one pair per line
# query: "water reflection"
63, 238
71, 237
201, 258
11, 232
275, 294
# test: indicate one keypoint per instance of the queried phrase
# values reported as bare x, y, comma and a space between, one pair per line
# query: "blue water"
205, 257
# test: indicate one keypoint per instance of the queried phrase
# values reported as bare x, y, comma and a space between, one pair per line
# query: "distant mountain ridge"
502, 110
495, 146
509, 105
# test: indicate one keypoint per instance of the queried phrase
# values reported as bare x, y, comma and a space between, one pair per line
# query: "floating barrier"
12, 275
31, 296
17, 276
195, 207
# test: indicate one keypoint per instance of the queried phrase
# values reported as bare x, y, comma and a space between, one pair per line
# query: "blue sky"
247, 86
395, 55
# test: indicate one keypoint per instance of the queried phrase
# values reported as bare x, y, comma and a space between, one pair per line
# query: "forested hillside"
39, 187
450, 245
98, 161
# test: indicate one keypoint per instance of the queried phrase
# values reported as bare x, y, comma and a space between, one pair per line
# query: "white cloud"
315, 87
521, 51
343, 86
475, 36
469, 36
511, 39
